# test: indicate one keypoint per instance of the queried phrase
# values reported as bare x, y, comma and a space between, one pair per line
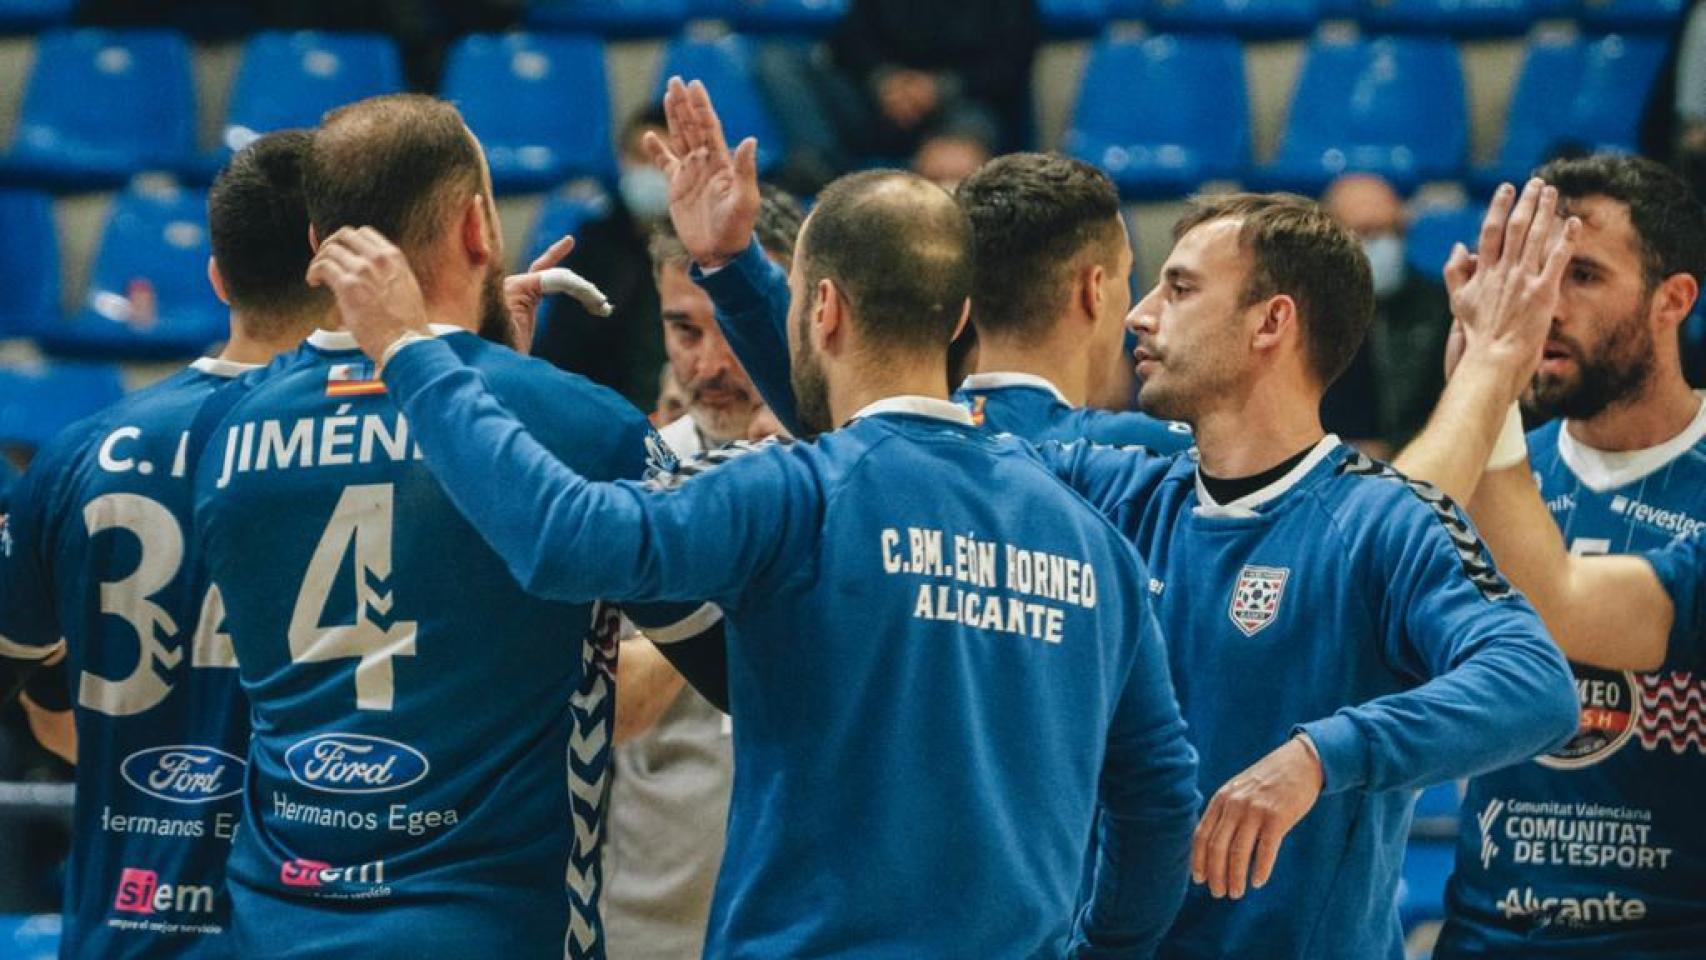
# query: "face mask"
645, 191
1386, 259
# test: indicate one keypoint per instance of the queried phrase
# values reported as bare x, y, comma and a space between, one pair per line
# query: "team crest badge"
1256, 599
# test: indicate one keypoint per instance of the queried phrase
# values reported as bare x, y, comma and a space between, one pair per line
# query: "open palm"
713, 192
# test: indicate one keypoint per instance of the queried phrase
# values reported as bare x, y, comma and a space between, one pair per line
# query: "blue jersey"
938, 660
1681, 567
1598, 849
1350, 604
1030, 407
95, 551
431, 743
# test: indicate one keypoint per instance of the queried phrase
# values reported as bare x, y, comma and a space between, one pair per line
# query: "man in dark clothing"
946, 82
624, 350
1386, 395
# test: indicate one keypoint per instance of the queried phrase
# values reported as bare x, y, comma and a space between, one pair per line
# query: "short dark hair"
1669, 221
397, 163
1298, 250
257, 225
899, 249
778, 227
1033, 215
650, 116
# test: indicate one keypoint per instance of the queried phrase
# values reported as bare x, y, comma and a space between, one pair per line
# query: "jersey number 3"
362, 518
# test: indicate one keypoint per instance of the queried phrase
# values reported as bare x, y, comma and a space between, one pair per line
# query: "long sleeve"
750, 294
1496, 690
1148, 811
1681, 568
1110, 478
568, 539
29, 625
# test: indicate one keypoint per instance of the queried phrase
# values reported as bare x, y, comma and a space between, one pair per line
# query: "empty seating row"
1163, 114
102, 105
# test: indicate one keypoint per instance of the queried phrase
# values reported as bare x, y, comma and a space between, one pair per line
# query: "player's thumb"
746, 159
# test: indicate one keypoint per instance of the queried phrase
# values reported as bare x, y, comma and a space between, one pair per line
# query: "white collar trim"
342, 340
220, 367
1246, 505
1602, 470
919, 407
1004, 379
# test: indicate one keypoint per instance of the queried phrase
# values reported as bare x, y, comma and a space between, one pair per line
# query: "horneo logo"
355, 763
184, 773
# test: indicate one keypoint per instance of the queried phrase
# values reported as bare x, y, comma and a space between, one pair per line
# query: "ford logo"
355, 763
184, 773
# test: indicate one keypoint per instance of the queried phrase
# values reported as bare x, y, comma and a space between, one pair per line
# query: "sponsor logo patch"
1609, 705
184, 773
355, 763
1256, 598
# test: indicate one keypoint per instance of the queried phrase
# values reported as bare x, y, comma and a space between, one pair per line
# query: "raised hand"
1504, 297
524, 291
377, 293
713, 193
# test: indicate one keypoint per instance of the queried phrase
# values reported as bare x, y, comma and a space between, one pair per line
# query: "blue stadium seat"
1250, 18
103, 104
148, 290
29, 263
1427, 245
797, 17
723, 62
539, 104
1421, 885
1457, 17
35, 404
612, 18
20, 16
30, 938
1393, 106
1588, 92
563, 212
1640, 16
1163, 114
292, 79
1073, 18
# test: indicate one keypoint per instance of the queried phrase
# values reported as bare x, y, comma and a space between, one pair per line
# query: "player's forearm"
751, 298
55, 730
1608, 612
1452, 451
646, 685
1510, 699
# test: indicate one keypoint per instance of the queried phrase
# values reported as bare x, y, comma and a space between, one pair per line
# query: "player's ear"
217, 281
476, 234
1674, 298
1278, 320
829, 312
965, 318
313, 239
1090, 293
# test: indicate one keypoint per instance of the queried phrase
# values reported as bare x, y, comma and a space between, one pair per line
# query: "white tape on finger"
565, 281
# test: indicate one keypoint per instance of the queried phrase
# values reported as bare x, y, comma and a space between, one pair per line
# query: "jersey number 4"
361, 519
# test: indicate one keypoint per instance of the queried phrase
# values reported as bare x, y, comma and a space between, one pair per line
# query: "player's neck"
1663, 408
258, 343
1253, 435
886, 380
1062, 365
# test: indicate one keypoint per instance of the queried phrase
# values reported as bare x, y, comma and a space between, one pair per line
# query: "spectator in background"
621, 351
1386, 395
946, 83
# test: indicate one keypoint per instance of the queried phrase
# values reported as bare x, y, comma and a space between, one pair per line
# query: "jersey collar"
340, 340
1246, 505
1602, 470
918, 407
220, 367
1005, 379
